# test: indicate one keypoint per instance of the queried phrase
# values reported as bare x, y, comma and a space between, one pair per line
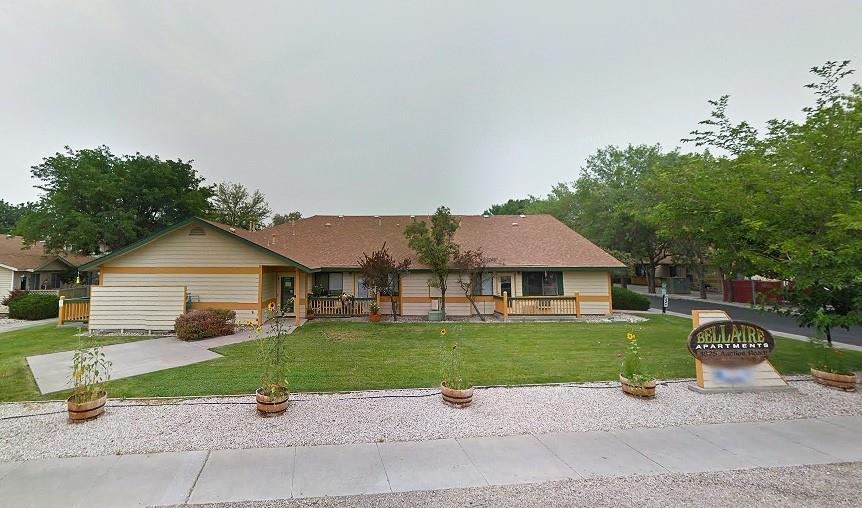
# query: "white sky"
395, 106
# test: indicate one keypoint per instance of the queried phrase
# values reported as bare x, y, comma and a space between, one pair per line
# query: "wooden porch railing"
501, 305
545, 306
334, 306
74, 309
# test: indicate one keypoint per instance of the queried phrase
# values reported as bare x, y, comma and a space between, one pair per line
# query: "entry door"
288, 291
506, 284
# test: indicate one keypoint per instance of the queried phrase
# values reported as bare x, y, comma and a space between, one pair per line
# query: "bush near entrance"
205, 323
34, 306
626, 299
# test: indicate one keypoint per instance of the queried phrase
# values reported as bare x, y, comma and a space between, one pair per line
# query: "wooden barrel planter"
644, 391
272, 405
837, 381
374, 318
457, 398
81, 411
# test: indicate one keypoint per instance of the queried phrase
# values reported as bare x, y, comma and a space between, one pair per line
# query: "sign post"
731, 356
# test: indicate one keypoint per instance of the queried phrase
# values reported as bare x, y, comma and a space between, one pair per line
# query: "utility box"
435, 315
678, 285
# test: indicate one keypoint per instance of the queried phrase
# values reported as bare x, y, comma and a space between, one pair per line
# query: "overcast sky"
395, 106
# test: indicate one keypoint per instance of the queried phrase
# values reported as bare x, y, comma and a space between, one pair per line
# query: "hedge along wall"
153, 308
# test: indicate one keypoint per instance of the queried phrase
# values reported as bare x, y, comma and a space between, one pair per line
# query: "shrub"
626, 299
202, 324
13, 295
34, 306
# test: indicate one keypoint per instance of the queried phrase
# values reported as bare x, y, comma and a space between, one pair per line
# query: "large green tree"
10, 214
435, 247
94, 201
233, 204
510, 207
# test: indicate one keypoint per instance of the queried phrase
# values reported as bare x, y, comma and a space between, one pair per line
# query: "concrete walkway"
52, 371
10, 326
365, 468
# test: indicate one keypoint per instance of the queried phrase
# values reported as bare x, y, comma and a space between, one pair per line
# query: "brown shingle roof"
15, 255
330, 241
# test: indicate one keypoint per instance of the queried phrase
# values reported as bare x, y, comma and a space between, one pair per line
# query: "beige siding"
270, 286
585, 282
178, 248
204, 287
138, 308
6, 277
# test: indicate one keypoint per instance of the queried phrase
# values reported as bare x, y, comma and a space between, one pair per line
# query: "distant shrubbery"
626, 299
202, 324
34, 306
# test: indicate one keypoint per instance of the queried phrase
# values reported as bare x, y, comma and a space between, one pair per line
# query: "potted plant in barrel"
829, 366
632, 377
90, 372
455, 390
273, 395
374, 310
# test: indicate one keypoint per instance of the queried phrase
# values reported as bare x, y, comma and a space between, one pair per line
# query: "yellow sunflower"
271, 306
257, 329
442, 331
630, 336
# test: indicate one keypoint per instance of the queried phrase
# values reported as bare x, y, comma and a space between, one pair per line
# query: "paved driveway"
53, 371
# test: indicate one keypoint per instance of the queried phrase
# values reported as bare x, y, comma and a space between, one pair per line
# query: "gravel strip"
209, 423
821, 485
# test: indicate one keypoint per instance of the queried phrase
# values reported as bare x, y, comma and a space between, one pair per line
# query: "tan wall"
178, 248
6, 277
207, 287
138, 308
588, 283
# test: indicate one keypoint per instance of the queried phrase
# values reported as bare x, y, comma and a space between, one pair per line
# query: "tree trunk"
475, 307
394, 307
624, 282
700, 276
443, 302
651, 278
731, 290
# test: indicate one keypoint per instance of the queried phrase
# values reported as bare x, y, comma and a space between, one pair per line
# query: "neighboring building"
309, 264
31, 268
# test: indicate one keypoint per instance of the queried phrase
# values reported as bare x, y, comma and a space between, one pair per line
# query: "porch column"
297, 300
260, 295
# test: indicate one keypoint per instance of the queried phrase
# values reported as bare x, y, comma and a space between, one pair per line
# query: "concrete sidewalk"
52, 371
365, 468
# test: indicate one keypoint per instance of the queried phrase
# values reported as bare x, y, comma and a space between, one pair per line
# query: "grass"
16, 380
333, 356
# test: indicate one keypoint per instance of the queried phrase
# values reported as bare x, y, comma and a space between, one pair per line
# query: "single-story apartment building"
31, 268
311, 266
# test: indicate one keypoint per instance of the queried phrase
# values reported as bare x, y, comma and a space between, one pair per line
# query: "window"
543, 283
361, 290
330, 283
482, 284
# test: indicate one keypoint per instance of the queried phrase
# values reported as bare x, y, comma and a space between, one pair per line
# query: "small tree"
435, 247
234, 205
382, 274
471, 264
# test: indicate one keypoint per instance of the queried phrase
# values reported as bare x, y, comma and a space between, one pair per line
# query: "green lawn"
330, 356
16, 380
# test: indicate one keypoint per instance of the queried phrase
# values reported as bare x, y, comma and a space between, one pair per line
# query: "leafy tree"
472, 265
234, 205
613, 207
278, 219
435, 247
382, 275
560, 202
95, 201
510, 207
10, 214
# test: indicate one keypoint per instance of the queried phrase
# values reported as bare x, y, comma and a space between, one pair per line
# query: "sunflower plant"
451, 368
272, 352
90, 372
630, 361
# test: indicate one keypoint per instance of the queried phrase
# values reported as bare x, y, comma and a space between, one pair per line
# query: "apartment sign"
730, 343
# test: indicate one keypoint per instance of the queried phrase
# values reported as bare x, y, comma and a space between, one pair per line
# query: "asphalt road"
768, 320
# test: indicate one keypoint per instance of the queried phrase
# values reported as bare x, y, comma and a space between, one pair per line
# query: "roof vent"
199, 231
522, 216
412, 216
485, 216
514, 224
328, 224
273, 238
233, 230
340, 216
